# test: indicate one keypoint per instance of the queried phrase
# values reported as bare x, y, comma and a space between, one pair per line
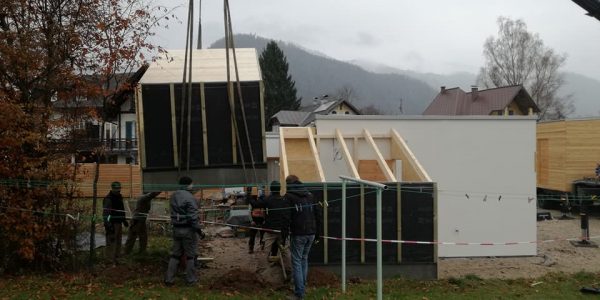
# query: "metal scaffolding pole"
380, 187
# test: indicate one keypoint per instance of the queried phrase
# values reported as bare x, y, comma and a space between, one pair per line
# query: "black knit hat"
185, 180
275, 186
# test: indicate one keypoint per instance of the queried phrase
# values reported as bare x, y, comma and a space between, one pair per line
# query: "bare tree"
519, 57
370, 110
347, 93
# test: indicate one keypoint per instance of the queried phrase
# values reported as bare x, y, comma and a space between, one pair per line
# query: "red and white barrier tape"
415, 242
457, 243
407, 241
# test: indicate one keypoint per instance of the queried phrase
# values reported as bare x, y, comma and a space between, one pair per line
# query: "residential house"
508, 100
81, 130
323, 105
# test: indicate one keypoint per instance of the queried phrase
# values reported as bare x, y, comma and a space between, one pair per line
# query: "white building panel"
485, 171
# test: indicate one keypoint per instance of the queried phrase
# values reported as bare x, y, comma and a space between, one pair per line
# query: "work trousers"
184, 242
275, 243
139, 230
252, 240
113, 242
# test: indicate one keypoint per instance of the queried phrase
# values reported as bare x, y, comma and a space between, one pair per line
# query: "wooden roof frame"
399, 149
389, 175
346, 153
412, 170
297, 133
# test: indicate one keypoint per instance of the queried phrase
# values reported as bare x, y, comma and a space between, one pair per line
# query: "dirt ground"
233, 266
234, 269
557, 256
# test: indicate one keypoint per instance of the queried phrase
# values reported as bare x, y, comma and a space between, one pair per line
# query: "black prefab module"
210, 137
408, 215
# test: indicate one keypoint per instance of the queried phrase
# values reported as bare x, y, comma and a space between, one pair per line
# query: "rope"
199, 24
189, 86
230, 96
239, 88
183, 90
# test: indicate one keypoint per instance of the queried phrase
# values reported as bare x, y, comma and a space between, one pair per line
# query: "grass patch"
84, 286
139, 276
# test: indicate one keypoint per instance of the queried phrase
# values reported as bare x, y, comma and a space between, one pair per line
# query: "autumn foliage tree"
48, 50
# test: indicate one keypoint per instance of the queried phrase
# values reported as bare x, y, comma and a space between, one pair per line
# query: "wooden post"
399, 219
174, 125
93, 222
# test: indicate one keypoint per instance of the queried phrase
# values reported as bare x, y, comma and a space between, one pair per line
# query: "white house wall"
332, 159
128, 118
484, 168
272, 144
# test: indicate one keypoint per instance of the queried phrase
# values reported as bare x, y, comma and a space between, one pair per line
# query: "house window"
129, 130
511, 112
334, 112
347, 113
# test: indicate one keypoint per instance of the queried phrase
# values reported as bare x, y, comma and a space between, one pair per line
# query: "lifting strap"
230, 44
186, 92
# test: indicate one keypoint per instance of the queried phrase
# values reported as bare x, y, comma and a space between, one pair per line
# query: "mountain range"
392, 90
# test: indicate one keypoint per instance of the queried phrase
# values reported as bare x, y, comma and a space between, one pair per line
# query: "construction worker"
277, 217
138, 223
113, 215
184, 218
304, 226
258, 218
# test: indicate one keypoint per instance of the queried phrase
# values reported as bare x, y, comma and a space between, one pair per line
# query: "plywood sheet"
369, 170
542, 162
209, 65
551, 156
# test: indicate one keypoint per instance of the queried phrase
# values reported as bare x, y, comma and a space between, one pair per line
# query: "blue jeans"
300, 247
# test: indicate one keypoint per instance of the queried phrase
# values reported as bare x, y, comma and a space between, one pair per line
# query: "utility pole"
400, 107
199, 24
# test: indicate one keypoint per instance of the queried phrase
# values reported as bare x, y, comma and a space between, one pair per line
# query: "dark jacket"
184, 210
113, 209
277, 212
143, 205
305, 213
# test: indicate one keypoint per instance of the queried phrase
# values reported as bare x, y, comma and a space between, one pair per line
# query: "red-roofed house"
508, 100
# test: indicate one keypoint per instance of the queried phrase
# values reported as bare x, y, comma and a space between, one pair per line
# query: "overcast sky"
438, 36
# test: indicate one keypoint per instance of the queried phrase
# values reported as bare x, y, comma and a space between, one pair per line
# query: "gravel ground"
558, 256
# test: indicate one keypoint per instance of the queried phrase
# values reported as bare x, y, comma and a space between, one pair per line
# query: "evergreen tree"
280, 89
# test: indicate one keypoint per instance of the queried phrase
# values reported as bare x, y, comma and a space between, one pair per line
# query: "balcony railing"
92, 144
121, 144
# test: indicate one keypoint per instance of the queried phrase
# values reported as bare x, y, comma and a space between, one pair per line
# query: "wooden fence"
128, 175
